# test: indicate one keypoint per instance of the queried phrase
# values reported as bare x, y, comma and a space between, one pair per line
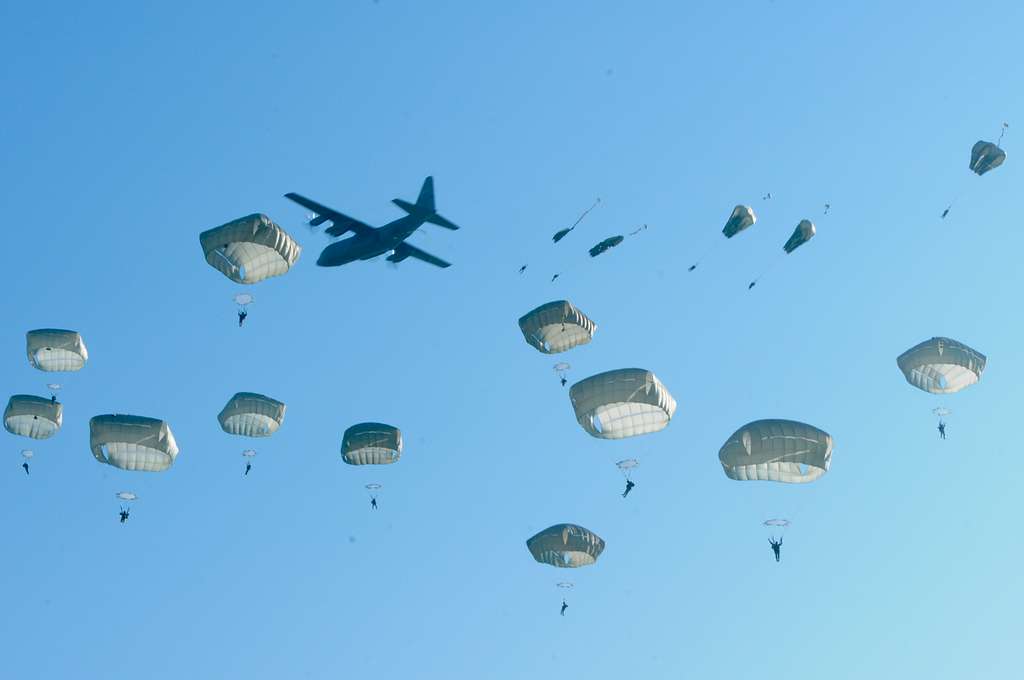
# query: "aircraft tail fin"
424, 206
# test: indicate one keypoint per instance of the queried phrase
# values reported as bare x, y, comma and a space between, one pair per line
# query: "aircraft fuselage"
369, 246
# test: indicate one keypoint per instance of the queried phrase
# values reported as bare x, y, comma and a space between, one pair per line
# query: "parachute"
776, 523
565, 585
55, 349
30, 416
566, 545
777, 450
132, 442
627, 466
986, 156
371, 444
941, 365
251, 415
942, 412
562, 233
250, 249
606, 244
742, 218
249, 453
127, 496
243, 299
803, 233
27, 454
622, 403
374, 487
556, 327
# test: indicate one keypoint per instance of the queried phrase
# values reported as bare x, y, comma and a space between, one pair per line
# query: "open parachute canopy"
371, 444
250, 249
561, 367
986, 156
374, 487
54, 349
941, 365
249, 453
132, 442
27, 454
243, 299
942, 411
776, 523
803, 233
742, 218
566, 545
622, 403
127, 496
30, 416
606, 244
627, 464
251, 415
777, 451
556, 327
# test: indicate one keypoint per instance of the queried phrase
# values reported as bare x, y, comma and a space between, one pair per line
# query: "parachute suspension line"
707, 253
584, 213
765, 272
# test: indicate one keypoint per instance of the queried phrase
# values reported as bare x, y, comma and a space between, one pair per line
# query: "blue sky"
128, 130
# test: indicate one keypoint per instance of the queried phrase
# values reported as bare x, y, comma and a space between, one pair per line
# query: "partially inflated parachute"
986, 156
250, 249
251, 415
941, 365
742, 218
778, 451
566, 545
132, 442
30, 416
371, 444
803, 233
55, 349
556, 327
622, 403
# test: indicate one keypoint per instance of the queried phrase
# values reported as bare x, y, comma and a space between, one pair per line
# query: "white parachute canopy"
942, 411
243, 299
556, 327
777, 450
250, 249
127, 496
27, 454
30, 416
251, 415
249, 453
566, 545
627, 466
565, 585
371, 444
941, 365
132, 442
622, 403
776, 523
56, 349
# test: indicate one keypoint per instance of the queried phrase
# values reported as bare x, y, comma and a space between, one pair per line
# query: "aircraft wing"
405, 250
340, 222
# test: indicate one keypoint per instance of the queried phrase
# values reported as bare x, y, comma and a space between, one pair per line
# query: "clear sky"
129, 129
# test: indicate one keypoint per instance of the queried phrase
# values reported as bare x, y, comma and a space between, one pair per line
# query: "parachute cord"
765, 272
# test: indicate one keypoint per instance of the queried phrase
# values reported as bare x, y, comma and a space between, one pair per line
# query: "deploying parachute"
132, 442
941, 365
30, 416
803, 233
250, 249
556, 327
566, 545
742, 218
251, 415
54, 349
622, 403
777, 450
371, 444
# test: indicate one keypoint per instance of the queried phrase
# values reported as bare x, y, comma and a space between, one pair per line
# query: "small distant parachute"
127, 496
250, 249
371, 444
627, 466
251, 415
562, 233
54, 387
55, 349
566, 545
132, 442
986, 156
941, 365
942, 412
29, 416
249, 453
803, 233
374, 487
778, 451
606, 244
776, 523
565, 585
622, 403
742, 218
243, 299
556, 327
27, 454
